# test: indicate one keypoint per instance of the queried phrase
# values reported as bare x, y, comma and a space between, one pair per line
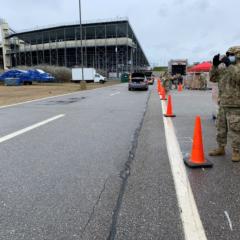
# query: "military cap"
234, 50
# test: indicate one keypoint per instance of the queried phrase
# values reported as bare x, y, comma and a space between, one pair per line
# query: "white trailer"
90, 75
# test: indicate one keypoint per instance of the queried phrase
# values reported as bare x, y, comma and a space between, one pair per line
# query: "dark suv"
138, 81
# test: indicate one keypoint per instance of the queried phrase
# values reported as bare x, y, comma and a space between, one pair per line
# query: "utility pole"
82, 82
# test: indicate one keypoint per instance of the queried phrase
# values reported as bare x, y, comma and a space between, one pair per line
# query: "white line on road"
113, 94
22, 131
192, 225
229, 220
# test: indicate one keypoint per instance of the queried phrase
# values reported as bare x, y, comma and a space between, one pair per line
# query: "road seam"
27, 129
91, 215
192, 225
125, 173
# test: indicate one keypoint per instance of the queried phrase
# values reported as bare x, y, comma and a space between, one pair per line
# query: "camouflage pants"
228, 124
203, 84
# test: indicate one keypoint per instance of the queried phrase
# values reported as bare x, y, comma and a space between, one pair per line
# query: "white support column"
5, 45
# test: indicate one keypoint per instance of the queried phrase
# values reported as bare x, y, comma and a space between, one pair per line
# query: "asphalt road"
95, 165
216, 190
149, 208
61, 180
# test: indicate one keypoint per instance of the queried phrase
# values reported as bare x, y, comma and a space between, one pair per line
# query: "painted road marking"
192, 225
229, 220
22, 131
113, 94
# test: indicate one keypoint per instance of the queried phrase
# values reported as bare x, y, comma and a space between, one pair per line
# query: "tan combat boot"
220, 151
236, 156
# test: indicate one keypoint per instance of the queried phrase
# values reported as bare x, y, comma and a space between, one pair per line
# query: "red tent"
202, 67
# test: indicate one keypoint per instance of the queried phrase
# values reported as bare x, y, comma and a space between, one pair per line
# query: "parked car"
21, 77
26, 77
138, 81
39, 75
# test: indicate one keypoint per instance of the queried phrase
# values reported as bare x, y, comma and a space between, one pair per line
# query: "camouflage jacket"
229, 85
166, 83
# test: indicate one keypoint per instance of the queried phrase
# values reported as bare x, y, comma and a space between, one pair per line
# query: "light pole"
116, 54
82, 82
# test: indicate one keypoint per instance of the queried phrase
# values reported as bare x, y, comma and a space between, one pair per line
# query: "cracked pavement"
62, 180
101, 172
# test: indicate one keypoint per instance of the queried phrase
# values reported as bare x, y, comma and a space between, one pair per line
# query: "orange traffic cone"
197, 158
169, 112
180, 88
160, 89
163, 93
158, 85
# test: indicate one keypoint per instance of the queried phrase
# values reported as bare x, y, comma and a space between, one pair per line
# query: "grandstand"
109, 46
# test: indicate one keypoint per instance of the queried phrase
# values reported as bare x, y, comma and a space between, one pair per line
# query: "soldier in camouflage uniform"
203, 82
228, 120
167, 84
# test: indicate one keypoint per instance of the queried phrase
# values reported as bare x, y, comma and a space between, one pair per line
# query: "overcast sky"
166, 29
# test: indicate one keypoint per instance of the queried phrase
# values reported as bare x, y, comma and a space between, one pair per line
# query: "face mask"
232, 59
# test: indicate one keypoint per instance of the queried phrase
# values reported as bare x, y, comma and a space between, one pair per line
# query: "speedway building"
109, 46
